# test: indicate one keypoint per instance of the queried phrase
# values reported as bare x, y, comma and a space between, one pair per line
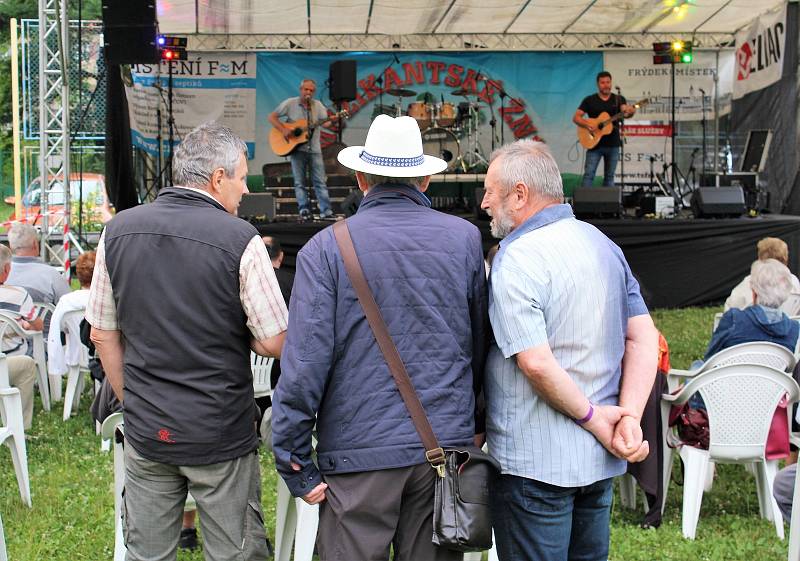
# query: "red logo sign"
165, 436
743, 56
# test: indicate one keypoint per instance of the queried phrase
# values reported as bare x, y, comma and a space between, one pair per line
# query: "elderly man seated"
21, 369
741, 295
43, 282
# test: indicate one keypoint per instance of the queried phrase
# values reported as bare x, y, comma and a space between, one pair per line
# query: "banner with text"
527, 94
759, 53
206, 87
638, 78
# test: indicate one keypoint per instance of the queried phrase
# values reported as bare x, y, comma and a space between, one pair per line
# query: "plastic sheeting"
457, 16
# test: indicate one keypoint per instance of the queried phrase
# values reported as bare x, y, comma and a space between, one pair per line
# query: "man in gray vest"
182, 291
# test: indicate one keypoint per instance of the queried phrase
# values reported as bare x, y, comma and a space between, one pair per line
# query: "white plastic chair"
3, 553
13, 430
717, 317
110, 425
72, 397
262, 368
794, 527
740, 400
296, 523
8, 321
758, 352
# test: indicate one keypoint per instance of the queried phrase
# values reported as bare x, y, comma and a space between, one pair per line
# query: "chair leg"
285, 522
3, 552
770, 469
669, 455
764, 507
306, 533
41, 363
73, 381
55, 387
696, 462
627, 491
20, 458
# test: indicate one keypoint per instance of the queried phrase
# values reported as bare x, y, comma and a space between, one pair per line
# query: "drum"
390, 110
446, 114
443, 144
422, 112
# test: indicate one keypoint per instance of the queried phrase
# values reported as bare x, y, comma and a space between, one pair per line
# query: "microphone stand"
621, 141
703, 121
379, 81
503, 95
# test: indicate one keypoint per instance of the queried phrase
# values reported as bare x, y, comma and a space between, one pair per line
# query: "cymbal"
401, 93
462, 92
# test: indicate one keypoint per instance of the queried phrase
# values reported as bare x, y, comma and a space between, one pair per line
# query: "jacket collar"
394, 193
189, 195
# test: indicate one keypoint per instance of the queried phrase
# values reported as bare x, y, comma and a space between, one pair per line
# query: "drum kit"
444, 126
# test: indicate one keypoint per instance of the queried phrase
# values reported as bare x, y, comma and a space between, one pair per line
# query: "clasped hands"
619, 431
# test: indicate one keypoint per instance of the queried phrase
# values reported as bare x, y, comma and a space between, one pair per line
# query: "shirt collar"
542, 218
206, 193
397, 191
26, 259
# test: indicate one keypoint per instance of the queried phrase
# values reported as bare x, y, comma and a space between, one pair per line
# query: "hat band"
388, 162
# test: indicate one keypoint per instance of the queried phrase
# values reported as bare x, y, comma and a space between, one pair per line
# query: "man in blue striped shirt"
571, 369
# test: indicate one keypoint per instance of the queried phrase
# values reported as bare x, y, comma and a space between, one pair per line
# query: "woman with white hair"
770, 284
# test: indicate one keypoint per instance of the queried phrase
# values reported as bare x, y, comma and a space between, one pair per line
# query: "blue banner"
542, 91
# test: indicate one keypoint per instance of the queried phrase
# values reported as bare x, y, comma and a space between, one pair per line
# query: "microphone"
702, 91
397, 60
618, 90
442, 96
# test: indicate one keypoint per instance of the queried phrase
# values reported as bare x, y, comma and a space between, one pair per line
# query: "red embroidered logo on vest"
165, 436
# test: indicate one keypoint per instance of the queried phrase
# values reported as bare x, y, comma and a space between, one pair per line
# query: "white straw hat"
393, 149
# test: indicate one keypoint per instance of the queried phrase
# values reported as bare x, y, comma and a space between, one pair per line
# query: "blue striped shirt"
560, 281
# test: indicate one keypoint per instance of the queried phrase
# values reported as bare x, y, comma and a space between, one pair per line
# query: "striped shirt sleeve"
517, 315
260, 293
101, 310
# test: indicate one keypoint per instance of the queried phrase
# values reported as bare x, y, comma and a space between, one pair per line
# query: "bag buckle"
436, 458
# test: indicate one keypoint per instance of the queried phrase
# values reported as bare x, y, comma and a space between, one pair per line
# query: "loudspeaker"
718, 201
342, 80
597, 201
257, 207
129, 32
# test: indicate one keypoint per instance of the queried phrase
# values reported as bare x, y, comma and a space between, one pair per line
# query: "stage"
680, 262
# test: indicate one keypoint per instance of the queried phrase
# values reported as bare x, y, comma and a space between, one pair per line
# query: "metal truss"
451, 42
54, 123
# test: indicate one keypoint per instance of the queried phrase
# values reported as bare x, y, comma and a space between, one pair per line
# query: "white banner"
638, 78
208, 86
647, 148
759, 53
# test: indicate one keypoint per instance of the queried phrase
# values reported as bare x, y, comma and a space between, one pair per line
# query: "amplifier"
257, 207
597, 201
718, 202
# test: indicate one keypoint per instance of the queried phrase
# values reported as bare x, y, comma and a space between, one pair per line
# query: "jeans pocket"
541, 497
255, 537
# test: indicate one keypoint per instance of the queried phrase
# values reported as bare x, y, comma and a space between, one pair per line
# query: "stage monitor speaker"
129, 32
342, 81
597, 201
718, 202
257, 207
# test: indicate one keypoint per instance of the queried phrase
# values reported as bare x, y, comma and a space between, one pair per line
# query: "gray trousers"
365, 513
783, 490
228, 496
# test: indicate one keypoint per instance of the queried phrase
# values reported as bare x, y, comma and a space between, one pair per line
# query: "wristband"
587, 418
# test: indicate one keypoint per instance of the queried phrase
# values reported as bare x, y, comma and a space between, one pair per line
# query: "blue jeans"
535, 520
610, 156
300, 160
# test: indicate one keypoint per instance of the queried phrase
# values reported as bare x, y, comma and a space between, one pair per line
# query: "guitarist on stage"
308, 155
608, 148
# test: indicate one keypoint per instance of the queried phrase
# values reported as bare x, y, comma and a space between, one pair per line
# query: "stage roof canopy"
391, 17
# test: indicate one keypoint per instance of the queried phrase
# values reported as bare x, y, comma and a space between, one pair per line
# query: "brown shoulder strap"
433, 452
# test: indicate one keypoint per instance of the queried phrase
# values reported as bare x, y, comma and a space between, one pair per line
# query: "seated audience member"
21, 369
783, 490
58, 356
741, 295
43, 282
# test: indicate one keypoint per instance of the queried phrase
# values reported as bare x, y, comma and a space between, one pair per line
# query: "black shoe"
188, 539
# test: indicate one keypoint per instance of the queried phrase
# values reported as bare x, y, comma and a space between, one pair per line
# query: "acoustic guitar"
604, 124
298, 135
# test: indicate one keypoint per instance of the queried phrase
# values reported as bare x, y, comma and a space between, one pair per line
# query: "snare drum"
446, 114
422, 112
443, 144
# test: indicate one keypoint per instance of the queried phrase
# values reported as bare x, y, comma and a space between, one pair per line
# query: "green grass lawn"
71, 484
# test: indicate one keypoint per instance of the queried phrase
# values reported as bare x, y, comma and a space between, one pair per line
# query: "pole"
15, 118
171, 122
672, 132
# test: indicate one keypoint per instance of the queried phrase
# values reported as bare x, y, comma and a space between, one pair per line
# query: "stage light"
677, 46
161, 41
168, 54
686, 58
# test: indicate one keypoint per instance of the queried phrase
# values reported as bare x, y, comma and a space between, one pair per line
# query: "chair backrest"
759, 352
717, 317
262, 368
67, 324
110, 425
741, 400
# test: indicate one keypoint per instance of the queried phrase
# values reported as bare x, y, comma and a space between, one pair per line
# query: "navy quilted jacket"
426, 271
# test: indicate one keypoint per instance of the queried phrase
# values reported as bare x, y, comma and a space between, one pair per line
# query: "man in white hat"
425, 268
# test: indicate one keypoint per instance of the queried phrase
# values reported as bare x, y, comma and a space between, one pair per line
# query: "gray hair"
529, 162
373, 180
5, 256
206, 148
22, 236
771, 281
304, 80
